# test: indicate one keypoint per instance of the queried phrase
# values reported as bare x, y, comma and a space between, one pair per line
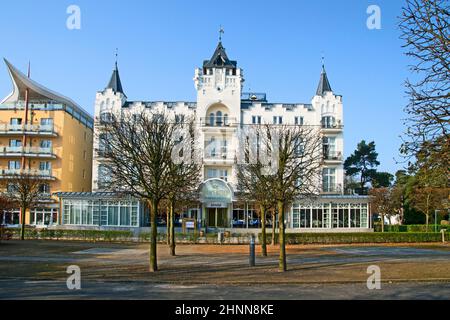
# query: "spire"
220, 58
324, 84
115, 84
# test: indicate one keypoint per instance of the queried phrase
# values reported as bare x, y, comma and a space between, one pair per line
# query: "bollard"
443, 235
252, 250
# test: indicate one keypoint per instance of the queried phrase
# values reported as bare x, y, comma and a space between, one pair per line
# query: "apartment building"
45, 134
221, 111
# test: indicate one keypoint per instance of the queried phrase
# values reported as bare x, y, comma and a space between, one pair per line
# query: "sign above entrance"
217, 193
219, 205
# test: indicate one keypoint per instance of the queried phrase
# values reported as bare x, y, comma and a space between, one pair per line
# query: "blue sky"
279, 45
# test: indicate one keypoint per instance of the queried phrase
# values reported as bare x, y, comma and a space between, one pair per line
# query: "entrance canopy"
216, 193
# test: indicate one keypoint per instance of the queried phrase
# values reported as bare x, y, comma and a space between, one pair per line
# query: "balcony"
30, 152
333, 156
335, 189
29, 129
332, 127
219, 156
221, 123
42, 174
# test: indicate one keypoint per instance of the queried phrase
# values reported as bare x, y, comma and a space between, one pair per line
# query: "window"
15, 121
46, 121
329, 180
225, 119
14, 165
299, 147
329, 147
103, 146
46, 144
44, 188
328, 122
84, 174
11, 188
219, 120
299, 121
104, 176
45, 166
106, 117
277, 120
179, 119
256, 119
218, 173
211, 119
84, 155
15, 143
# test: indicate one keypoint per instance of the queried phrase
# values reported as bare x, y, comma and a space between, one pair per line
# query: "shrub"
83, 235
343, 238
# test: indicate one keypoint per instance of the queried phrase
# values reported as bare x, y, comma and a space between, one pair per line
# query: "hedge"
347, 238
63, 234
411, 228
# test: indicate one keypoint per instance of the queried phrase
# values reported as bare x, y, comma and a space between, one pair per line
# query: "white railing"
218, 122
333, 156
32, 172
221, 153
28, 150
29, 128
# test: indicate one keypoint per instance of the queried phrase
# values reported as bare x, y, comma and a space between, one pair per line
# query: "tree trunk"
273, 226
382, 222
172, 229
168, 225
263, 232
281, 237
153, 256
22, 217
427, 221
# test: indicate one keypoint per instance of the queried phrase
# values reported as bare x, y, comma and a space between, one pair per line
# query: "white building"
221, 111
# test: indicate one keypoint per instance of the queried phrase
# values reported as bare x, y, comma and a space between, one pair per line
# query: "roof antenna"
221, 32
29, 69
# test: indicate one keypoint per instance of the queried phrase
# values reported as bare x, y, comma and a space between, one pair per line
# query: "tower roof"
220, 59
115, 84
324, 84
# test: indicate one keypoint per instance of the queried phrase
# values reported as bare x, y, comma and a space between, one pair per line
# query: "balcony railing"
47, 129
222, 153
23, 151
333, 156
46, 174
218, 122
332, 126
333, 189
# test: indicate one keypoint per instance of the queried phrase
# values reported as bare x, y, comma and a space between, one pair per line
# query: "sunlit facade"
221, 112
48, 136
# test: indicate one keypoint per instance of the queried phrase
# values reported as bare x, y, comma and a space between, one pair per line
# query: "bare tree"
288, 160
23, 189
184, 175
255, 185
385, 202
425, 26
139, 161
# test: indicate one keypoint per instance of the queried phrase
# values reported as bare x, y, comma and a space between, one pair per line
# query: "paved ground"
36, 270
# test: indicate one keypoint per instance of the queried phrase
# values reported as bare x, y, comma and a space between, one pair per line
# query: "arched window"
219, 120
211, 119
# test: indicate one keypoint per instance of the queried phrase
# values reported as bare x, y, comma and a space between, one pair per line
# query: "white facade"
221, 110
